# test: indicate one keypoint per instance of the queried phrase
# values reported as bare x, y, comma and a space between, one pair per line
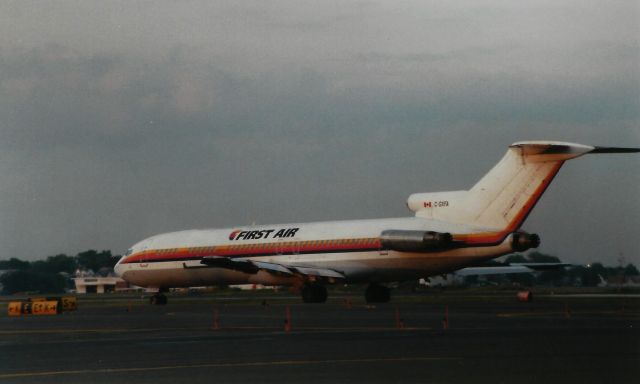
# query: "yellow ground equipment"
42, 306
15, 308
45, 307
69, 303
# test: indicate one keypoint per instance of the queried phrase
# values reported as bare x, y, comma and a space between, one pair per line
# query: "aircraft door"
381, 250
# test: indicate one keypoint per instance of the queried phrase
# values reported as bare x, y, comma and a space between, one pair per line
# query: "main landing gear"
317, 293
314, 293
376, 293
158, 299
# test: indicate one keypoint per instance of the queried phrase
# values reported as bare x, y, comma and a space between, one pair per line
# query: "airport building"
95, 284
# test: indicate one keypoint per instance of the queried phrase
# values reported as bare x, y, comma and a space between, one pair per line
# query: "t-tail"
504, 197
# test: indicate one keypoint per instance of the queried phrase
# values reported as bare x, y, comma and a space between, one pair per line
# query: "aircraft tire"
158, 299
314, 293
376, 293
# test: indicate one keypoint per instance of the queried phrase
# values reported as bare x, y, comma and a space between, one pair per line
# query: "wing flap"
319, 272
253, 266
272, 267
244, 265
224, 262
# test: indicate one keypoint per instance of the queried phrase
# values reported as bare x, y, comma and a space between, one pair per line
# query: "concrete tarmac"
488, 340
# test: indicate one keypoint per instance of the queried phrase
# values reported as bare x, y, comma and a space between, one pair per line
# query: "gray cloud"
123, 120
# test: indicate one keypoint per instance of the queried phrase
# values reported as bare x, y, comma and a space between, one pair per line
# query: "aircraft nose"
118, 268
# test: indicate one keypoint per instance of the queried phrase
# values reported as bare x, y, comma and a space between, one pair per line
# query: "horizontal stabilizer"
614, 150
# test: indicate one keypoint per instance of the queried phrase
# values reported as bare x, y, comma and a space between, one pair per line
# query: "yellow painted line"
222, 365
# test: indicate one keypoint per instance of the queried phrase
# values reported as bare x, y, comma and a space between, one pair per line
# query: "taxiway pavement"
488, 340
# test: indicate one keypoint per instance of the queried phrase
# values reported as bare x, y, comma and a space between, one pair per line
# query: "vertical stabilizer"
505, 196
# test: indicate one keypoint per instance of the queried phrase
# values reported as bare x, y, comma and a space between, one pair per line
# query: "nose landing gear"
158, 299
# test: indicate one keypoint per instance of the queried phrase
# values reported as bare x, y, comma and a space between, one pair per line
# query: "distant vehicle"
450, 230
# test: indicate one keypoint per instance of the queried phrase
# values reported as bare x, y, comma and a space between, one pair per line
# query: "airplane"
449, 231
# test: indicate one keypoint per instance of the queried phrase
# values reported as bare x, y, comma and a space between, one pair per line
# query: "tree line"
590, 275
52, 275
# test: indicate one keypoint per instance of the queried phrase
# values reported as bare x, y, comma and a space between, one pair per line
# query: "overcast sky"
120, 120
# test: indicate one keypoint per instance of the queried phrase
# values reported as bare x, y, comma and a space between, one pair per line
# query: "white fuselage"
450, 230
350, 247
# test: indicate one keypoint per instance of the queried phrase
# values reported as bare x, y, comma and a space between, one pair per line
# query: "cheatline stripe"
254, 250
256, 254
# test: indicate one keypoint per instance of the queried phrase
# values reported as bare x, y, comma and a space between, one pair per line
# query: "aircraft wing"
478, 271
253, 266
542, 266
511, 268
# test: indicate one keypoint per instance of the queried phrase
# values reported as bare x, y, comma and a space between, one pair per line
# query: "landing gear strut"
314, 293
158, 299
376, 293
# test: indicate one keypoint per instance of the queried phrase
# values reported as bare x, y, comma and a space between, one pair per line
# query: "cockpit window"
129, 251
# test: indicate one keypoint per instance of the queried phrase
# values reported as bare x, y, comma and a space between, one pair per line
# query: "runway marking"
222, 365
94, 330
311, 328
562, 313
231, 328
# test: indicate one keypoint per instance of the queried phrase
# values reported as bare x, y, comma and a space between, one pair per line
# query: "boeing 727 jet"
450, 230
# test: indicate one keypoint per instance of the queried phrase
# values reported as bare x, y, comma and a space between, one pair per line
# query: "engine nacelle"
521, 241
414, 241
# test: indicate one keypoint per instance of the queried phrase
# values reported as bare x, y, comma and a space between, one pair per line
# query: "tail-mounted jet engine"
521, 241
414, 241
